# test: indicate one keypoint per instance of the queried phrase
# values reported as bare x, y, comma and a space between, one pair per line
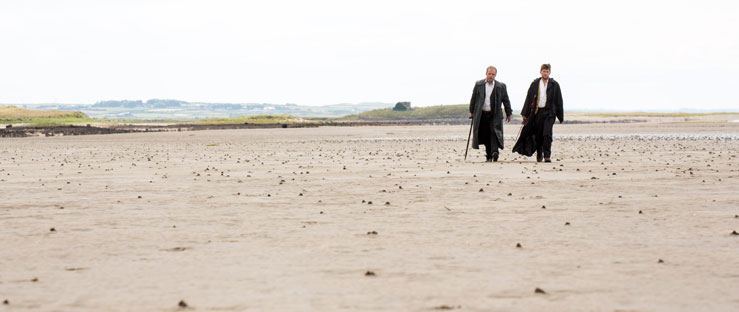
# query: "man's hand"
524, 119
508, 118
470, 115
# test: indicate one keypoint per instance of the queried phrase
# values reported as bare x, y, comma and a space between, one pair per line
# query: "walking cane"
467, 147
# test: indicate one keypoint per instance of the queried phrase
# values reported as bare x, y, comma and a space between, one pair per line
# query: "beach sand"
628, 217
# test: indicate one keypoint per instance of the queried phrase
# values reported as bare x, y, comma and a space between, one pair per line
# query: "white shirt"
542, 94
488, 91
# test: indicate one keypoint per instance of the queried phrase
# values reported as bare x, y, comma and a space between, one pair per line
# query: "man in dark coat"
487, 116
542, 105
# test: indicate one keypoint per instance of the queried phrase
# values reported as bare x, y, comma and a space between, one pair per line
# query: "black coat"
526, 143
497, 97
554, 100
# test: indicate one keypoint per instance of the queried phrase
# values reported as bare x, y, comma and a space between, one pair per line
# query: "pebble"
369, 273
182, 304
446, 307
539, 291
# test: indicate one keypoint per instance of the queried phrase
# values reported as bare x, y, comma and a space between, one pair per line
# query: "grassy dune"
255, 119
462, 110
419, 113
15, 115
645, 114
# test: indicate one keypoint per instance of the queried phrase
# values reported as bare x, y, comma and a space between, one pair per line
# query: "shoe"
539, 157
547, 159
488, 160
495, 156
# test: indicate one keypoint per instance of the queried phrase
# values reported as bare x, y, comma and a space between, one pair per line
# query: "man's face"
544, 74
490, 75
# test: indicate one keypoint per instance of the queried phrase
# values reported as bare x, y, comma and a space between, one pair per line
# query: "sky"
606, 55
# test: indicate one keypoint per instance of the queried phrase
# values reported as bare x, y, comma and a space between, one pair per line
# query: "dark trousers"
544, 124
486, 134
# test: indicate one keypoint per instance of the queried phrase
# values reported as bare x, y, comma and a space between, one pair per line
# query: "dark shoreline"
26, 131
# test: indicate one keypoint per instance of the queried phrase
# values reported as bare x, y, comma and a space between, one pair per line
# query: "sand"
628, 217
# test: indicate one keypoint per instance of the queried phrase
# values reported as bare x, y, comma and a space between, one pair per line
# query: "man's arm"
560, 110
473, 100
507, 104
526, 103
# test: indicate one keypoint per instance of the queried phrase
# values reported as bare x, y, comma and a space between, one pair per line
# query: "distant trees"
402, 106
158, 103
225, 106
124, 103
153, 103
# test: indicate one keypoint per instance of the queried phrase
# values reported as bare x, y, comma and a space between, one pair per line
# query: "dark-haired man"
487, 116
543, 104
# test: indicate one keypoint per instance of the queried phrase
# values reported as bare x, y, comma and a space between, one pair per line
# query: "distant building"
402, 106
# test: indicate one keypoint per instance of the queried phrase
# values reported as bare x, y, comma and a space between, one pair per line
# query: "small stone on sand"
518, 245
446, 307
539, 291
369, 273
52, 230
182, 304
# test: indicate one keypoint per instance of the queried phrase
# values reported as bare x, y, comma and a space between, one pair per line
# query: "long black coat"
497, 97
554, 100
526, 144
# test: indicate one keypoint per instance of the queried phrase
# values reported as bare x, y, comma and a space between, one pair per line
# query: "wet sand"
628, 217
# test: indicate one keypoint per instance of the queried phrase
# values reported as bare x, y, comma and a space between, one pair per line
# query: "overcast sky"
607, 55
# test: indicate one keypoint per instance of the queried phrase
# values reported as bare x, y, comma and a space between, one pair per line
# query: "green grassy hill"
14, 115
460, 111
254, 119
